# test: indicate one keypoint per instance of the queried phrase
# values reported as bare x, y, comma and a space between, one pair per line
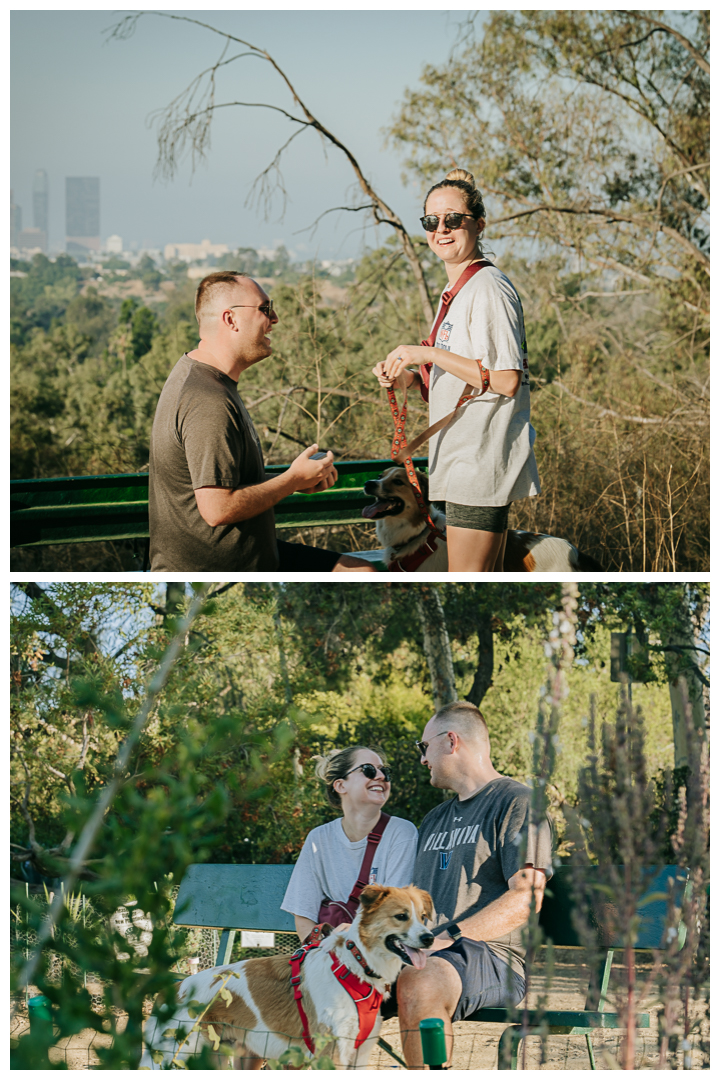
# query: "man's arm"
225, 506
505, 914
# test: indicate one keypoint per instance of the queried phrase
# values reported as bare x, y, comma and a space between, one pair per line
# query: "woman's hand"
391, 372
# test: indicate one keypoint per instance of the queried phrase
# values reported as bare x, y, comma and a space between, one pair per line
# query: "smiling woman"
474, 372
363, 847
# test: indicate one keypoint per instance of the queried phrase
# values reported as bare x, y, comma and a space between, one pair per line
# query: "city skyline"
93, 117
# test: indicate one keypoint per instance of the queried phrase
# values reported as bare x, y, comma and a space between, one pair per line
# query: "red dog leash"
367, 999
399, 444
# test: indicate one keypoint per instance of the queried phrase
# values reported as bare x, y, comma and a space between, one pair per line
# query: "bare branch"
610, 216
185, 121
351, 209
686, 44
326, 391
603, 411
222, 589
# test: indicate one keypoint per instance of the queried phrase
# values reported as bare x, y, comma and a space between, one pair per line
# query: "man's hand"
308, 475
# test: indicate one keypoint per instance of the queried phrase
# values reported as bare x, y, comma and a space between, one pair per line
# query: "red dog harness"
409, 563
367, 999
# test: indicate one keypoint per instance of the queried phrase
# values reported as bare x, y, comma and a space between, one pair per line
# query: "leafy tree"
148, 272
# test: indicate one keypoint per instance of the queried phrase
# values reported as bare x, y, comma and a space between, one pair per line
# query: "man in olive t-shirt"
210, 503
481, 859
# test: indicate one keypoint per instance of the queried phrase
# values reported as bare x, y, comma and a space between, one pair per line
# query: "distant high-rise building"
40, 204
15, 221
82, 214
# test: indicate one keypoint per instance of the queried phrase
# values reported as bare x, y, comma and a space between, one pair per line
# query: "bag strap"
373, 840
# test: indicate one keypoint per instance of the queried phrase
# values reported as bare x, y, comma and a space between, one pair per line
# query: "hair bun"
461, 174
321, 763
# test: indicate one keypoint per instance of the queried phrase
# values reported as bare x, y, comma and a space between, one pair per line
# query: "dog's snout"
426, 941
370, 487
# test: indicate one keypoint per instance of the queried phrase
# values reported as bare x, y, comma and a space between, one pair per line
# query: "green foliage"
167, 814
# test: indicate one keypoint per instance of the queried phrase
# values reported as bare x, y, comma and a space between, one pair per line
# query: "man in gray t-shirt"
481, 859
210, 502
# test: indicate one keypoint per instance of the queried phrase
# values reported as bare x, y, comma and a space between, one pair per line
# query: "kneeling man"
480, 857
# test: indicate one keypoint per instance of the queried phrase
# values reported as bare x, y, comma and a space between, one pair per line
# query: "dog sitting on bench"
410, 546
331, 986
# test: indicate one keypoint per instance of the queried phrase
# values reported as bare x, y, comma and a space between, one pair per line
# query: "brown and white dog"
259, 1017
405, 534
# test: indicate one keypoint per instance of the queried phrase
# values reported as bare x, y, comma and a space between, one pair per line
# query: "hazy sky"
80, 106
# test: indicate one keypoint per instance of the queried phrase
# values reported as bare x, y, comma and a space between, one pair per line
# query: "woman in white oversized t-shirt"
483, 460
332, 855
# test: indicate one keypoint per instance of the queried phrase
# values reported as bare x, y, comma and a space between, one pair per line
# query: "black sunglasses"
422, 746
266, 307
371, 772
452, 221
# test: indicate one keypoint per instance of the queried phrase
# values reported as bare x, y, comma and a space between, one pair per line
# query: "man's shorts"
300, 558
485, 979
487, 982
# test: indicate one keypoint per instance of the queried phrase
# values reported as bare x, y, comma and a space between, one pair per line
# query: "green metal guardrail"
79, 509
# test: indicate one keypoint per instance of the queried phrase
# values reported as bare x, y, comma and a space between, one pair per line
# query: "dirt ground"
475, 1045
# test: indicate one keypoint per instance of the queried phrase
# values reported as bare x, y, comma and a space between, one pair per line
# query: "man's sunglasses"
371, 772
422, 746
431, 222
266, 307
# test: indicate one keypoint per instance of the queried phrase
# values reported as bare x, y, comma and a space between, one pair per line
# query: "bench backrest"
237, 896
248, 897
77, 509
557, 907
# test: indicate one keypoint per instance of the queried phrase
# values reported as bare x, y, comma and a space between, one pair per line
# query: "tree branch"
612, 216
603, 411
686, 44
222, 589
127, 26
351, 209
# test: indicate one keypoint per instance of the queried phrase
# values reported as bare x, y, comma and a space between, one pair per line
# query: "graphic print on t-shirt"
447, 841
443, 336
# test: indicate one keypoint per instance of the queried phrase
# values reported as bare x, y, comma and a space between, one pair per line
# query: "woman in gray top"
357, 783
483, 460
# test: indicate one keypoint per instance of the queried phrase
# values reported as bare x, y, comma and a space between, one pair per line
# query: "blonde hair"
464, 181
335, 765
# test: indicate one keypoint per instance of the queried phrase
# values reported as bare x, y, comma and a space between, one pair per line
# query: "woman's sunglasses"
266, 307
371, 772
452, 221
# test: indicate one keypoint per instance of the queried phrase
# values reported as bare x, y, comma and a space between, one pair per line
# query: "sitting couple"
466, 855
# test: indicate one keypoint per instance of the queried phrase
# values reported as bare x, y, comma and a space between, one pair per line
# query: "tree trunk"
437, 646
686, 687
174, 597
486, 663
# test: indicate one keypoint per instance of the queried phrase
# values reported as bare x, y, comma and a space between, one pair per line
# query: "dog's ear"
427, 903
373, 894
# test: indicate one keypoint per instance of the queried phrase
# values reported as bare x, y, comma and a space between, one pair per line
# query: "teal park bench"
248, 897
78, 509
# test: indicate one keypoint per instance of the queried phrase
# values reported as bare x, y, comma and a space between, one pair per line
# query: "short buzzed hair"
212, 287
466, 717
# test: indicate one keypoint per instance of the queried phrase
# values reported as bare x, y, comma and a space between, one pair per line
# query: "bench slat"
558, 1018
78, 509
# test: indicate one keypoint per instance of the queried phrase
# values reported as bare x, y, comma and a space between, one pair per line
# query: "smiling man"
481, 858
210, 502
